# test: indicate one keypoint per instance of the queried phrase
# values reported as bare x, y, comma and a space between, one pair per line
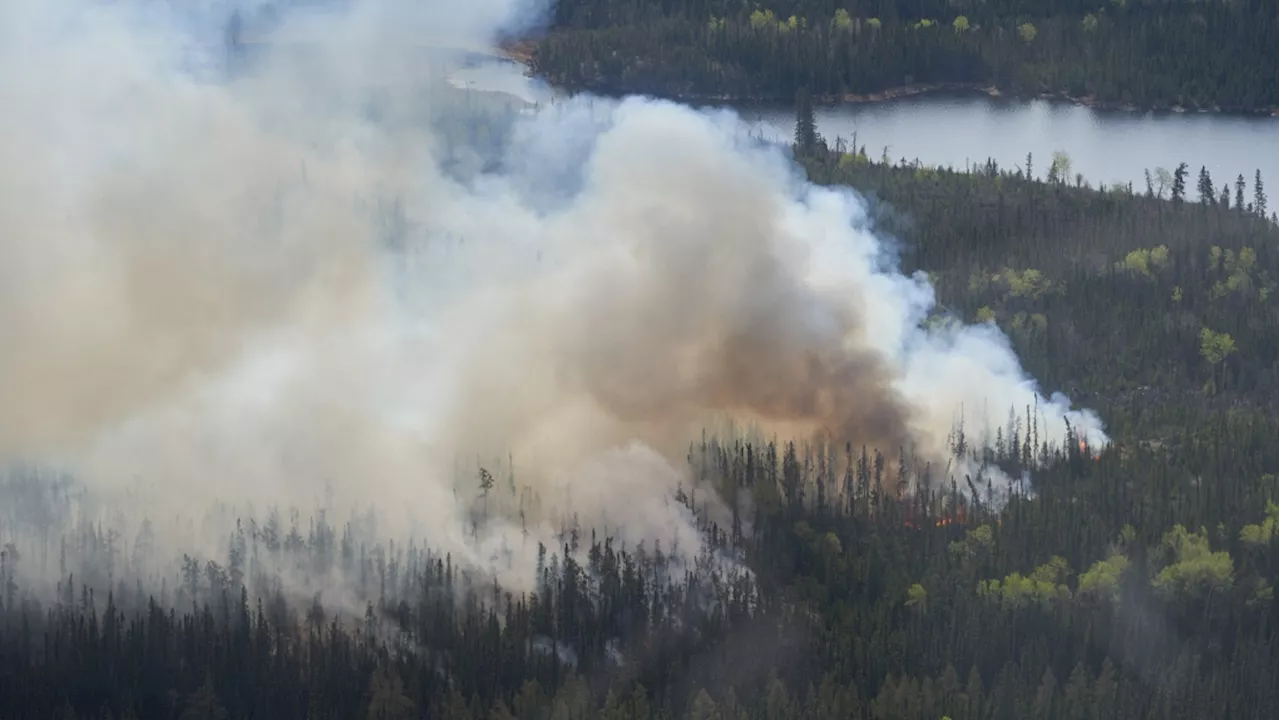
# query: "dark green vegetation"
1120, 52
1139, 584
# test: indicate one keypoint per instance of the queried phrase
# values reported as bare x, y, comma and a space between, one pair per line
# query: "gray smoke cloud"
197, 296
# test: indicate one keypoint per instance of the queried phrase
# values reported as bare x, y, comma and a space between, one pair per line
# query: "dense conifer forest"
1215, 55
1135, 580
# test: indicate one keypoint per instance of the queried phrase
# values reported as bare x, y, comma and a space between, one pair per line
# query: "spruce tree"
1259, 197
1204, 186
1180, 182
806, 124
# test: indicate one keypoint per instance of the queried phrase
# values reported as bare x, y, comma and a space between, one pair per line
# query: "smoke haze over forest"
198, 302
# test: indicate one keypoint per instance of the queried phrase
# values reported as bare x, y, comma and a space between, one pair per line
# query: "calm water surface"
1104, 146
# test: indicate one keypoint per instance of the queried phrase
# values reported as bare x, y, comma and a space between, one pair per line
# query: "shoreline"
990, 91
993, 91
522, 53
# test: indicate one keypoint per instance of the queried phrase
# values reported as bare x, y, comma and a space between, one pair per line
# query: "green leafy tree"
1059, 167
1215, 348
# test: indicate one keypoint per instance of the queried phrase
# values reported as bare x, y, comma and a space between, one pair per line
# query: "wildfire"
1084, 448
947, 519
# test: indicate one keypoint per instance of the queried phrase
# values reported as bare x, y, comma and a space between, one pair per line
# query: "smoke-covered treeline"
1139, 584
860, 605
1189, 54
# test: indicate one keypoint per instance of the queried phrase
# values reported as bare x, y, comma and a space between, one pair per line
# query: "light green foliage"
1054, 571
978, 540
848, 160
1194, 568
1045, 585
765, 20
1027, 32
1127, 535
986, 315
961, 24
1143, 260
1029, 324
1263, 594
1030, 283
1261, 533
761, 19
1090, 22
830, 545
703, 707
1177, 293
923, 23
1216, 347
1238, 267
715, 23
841, 21
1103, 578
978, 282
917, 597
1059, 166
874, 23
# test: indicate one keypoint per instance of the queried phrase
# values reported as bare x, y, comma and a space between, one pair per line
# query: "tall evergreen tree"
1204, 186
1259, 196
806, 139
1179, 183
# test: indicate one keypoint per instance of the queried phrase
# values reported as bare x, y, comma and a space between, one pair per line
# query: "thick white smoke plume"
267, 289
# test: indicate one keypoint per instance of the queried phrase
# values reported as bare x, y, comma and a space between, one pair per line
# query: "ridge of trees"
1119, 52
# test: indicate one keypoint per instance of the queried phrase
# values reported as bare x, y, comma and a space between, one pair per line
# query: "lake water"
1104, 146
958, 130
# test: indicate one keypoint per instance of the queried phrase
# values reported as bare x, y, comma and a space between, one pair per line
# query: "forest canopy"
1117, 53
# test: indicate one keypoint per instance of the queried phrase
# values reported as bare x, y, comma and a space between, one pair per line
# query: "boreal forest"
1117, 53
1135, 580
1132, 580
